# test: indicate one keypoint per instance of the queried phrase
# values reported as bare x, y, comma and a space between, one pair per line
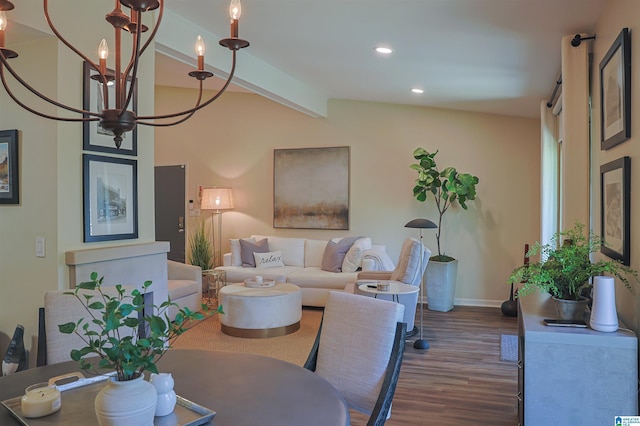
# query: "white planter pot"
440, 283
132, 402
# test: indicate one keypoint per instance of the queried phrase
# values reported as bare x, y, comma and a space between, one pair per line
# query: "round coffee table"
260, 312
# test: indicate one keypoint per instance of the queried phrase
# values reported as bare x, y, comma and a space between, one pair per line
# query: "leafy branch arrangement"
113, 331
447, 187
564, 269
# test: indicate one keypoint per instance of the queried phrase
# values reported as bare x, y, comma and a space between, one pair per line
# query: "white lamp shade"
216, 199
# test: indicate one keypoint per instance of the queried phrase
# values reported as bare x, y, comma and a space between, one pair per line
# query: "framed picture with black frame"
9, 167
110, 200
94, 137
615, 92
615, 212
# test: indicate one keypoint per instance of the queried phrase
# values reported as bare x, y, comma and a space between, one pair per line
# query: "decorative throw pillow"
334, 254
236, 257
247, 248
270, 259
353, 259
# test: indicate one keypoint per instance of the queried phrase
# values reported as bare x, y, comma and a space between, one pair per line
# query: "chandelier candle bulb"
235, 10
3, 26
200, 49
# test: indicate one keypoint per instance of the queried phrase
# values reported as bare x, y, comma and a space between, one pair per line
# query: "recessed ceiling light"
384, 50
417, 91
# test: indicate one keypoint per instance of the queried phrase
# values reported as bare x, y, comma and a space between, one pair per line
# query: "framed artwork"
311, 188
110, 200
615, 190
615, 92
94, 137
9, 172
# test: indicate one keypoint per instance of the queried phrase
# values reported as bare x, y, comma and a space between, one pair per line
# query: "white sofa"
302, 259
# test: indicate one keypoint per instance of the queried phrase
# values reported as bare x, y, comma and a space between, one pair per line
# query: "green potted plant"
446, 187
200, 249
112, 333
565, 270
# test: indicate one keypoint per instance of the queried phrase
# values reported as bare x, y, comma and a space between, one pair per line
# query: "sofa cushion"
237, 274
181, 288
236, 251
292, 248
317, 278
271, 259
353, 259
313, 252
247, 249
335, 252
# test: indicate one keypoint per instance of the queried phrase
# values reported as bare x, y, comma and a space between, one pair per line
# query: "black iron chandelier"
116, 117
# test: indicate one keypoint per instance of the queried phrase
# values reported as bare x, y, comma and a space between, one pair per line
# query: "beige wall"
619, 14
51, 169
231, 143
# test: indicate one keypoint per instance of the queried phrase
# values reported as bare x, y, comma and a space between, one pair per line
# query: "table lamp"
421, 224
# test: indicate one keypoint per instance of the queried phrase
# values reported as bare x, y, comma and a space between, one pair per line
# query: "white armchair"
409, 270
184, 284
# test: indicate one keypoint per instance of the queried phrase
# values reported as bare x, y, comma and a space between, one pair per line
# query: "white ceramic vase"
163, 383
132, 402
604, 316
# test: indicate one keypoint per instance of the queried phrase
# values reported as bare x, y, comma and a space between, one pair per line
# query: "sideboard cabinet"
572, 376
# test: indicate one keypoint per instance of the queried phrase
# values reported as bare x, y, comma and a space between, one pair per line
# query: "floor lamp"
217, 200
421, 224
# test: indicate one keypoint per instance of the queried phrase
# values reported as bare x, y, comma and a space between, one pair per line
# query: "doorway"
170, 190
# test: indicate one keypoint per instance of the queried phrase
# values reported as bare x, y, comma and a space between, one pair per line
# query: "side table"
212, 281
396, 288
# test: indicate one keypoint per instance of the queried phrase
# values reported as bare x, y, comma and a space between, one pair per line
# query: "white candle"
40, 400
258, 278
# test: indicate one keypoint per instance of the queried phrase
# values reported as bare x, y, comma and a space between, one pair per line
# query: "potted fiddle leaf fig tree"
122, 336
447, 188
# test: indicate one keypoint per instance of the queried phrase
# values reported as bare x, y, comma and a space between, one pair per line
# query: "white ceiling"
495, 56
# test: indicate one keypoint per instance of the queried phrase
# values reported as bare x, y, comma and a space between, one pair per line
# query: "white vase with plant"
128, 340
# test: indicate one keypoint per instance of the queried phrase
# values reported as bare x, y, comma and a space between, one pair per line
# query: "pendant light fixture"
117, 117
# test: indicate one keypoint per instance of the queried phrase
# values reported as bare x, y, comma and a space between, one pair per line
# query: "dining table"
243, 389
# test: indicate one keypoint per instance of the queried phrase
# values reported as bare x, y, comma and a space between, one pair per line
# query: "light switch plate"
40, 247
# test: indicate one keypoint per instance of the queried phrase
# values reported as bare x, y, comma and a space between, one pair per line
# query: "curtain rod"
575, 42
555, 90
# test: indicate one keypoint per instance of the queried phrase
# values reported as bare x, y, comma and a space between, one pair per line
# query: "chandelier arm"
33, 111
198, 107
15, 75
135, 56
151, 36
182, 120
62, 39
173, 123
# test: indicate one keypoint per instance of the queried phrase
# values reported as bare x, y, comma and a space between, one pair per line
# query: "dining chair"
409, 270
359, 350
59, 308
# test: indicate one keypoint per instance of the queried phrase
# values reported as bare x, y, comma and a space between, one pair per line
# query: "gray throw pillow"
334, 254
247, 248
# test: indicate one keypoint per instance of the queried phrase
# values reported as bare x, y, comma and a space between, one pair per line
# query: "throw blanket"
382, 260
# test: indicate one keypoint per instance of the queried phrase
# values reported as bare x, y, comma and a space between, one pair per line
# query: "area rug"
293, 348
508, 347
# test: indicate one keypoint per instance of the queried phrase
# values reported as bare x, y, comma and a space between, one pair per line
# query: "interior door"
170, 209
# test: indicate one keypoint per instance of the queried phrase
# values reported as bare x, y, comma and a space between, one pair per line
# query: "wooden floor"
460, 379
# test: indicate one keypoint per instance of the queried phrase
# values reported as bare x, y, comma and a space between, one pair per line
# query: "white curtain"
549, 175
574, 176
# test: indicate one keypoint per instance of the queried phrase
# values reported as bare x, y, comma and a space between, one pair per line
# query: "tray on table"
78, 399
